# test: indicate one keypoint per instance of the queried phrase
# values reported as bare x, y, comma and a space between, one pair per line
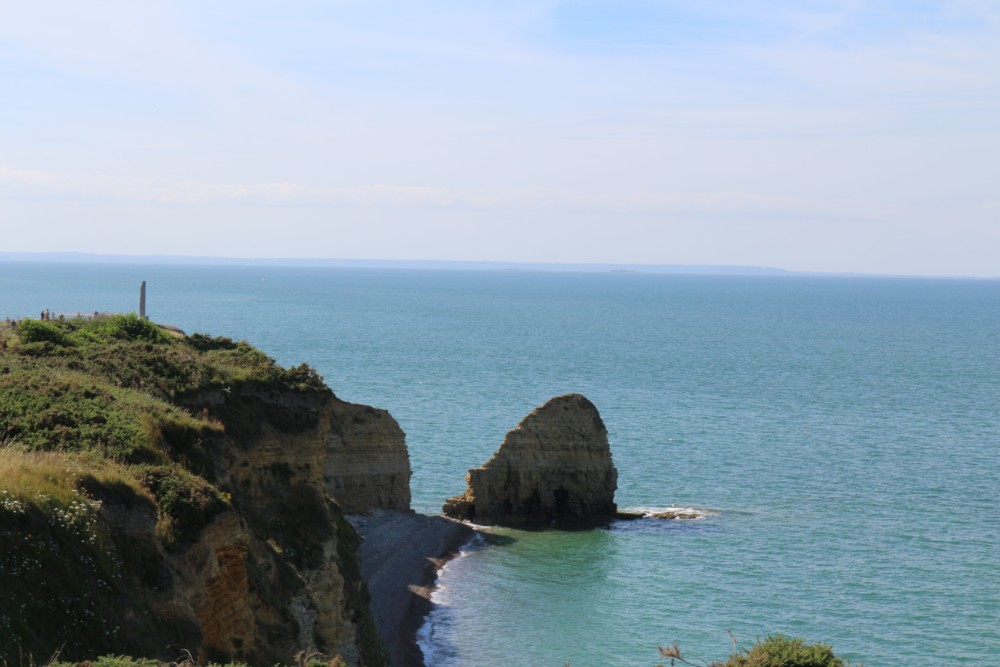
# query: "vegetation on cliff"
107, 394
110, 443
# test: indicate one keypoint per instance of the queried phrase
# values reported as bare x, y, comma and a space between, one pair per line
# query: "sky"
826, 135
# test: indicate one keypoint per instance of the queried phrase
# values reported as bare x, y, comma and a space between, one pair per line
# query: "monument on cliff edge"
142, 300
555, 465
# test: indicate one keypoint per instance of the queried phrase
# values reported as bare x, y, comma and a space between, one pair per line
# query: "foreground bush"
774, 651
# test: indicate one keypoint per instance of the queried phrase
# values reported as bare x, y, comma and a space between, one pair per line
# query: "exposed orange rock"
225, 614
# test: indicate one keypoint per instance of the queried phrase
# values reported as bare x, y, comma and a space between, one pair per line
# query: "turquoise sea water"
843, 434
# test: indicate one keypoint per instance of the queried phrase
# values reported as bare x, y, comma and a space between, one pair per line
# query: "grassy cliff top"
111, 385
107, 394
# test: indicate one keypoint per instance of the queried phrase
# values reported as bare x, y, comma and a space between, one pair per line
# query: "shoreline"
401, 555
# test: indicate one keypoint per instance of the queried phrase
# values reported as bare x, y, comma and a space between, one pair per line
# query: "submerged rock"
555, 465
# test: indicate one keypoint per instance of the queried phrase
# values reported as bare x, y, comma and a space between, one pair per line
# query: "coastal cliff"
555, 465
284, 457
162, 494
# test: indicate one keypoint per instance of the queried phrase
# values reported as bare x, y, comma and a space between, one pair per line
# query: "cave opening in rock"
562, 500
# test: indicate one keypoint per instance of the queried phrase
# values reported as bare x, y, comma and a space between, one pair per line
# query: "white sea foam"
424, 641
429, 637
683, 513
437, 618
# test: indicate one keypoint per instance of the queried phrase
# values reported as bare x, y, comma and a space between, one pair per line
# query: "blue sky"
828, 135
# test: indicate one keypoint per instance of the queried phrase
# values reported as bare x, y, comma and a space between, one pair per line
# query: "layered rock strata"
555, 465
281, 572
367, 465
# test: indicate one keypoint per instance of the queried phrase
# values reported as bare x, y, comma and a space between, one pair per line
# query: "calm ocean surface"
844, 433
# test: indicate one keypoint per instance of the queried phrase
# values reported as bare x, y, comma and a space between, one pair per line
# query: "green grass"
132, 353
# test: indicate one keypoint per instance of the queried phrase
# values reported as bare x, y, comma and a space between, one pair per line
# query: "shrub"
781, 651
132, 327
204, 343
304, 378
774, 651
37, 331
67, 411
186, 503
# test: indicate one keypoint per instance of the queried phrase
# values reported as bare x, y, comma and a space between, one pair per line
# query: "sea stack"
554, 466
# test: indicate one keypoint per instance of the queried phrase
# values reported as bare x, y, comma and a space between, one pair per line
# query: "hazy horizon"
437, 264
846, 136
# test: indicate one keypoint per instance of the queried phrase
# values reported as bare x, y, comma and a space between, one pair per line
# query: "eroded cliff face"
556, 464
280, 573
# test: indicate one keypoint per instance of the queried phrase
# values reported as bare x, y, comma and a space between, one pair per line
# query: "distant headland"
456, 265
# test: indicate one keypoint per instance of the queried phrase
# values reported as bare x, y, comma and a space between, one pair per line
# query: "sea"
838, 439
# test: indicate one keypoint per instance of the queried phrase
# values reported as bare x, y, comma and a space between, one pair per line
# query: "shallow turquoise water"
844, 431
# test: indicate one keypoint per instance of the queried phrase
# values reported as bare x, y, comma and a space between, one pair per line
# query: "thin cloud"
379, 195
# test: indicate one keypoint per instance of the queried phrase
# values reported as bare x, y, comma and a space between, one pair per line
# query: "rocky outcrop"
555, 465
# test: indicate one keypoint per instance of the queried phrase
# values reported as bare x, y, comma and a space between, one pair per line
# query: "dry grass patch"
48, 479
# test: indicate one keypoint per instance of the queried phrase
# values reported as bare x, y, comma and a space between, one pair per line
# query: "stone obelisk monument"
142, 300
